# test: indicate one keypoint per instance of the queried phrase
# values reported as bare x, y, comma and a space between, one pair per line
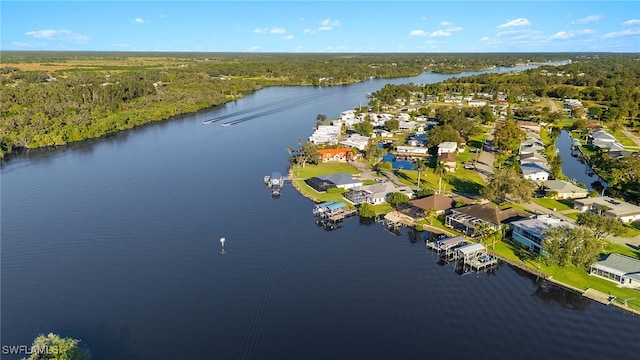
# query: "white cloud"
329, 22
288, 37
509, 32
445, 23
631, 22
454, 29
308, 31
423, 18
62, 34
587, 20
418, 33
515, 23
569, 34
439, 33
486, 38
121, 45
273, 30
21, 44
628, 32
254, 48
139, 21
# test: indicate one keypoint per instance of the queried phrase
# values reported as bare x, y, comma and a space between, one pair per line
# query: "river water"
574, 167
116, 242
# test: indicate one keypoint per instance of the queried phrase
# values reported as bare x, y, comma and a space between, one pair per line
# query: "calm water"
116, 242
574, 167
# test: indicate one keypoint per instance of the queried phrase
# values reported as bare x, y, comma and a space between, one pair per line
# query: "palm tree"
429, 214
421, 167
440, 170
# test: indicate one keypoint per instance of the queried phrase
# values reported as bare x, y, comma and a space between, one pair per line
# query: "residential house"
438, 202
535, 171
621, 269
610, 207
373, 194
467, 218
529, 232
342, 180
604, 141
477, 103
447, 147
356, 140
449, 160
335, 155
564, 189
325, 134
412, 150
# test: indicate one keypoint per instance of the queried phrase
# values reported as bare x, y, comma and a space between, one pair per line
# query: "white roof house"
611, 207
618, 268
565, 190
534, 171
356, 140
413, 150
477, 103
528, 232
603, 140
325, 134
447, 147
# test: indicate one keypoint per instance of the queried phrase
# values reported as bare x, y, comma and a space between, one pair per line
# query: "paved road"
631, 136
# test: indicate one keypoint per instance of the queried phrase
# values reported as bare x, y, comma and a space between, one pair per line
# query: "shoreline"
511, 262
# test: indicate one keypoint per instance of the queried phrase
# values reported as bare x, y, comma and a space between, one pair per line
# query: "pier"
466, 256
330, 215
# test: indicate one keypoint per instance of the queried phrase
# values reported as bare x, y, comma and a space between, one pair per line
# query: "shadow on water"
553, 295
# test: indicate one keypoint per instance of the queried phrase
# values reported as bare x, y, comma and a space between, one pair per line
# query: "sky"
322, 26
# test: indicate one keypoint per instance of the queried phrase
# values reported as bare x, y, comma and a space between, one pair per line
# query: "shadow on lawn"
464, 185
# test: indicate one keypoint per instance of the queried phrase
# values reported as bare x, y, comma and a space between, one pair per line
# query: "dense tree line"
108, 92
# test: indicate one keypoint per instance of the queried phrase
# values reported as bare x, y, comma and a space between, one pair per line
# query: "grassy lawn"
571, 275
622, 249
382, 208
310, 171
466, 181
623, 139
572, 215
319, 196
552, 204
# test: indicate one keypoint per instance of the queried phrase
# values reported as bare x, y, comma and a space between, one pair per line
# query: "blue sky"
322, 26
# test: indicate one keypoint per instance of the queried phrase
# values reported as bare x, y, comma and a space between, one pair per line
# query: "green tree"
366, 210
420, 167
320, 118
601, 225
396, 198
392, 124
440, 134
564, 245
508, 137
440, 171
365, 128
429, 214
424, 192
507, 183
54, 347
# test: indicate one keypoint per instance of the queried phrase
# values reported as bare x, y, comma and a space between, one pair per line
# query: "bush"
366, 210
425, 192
